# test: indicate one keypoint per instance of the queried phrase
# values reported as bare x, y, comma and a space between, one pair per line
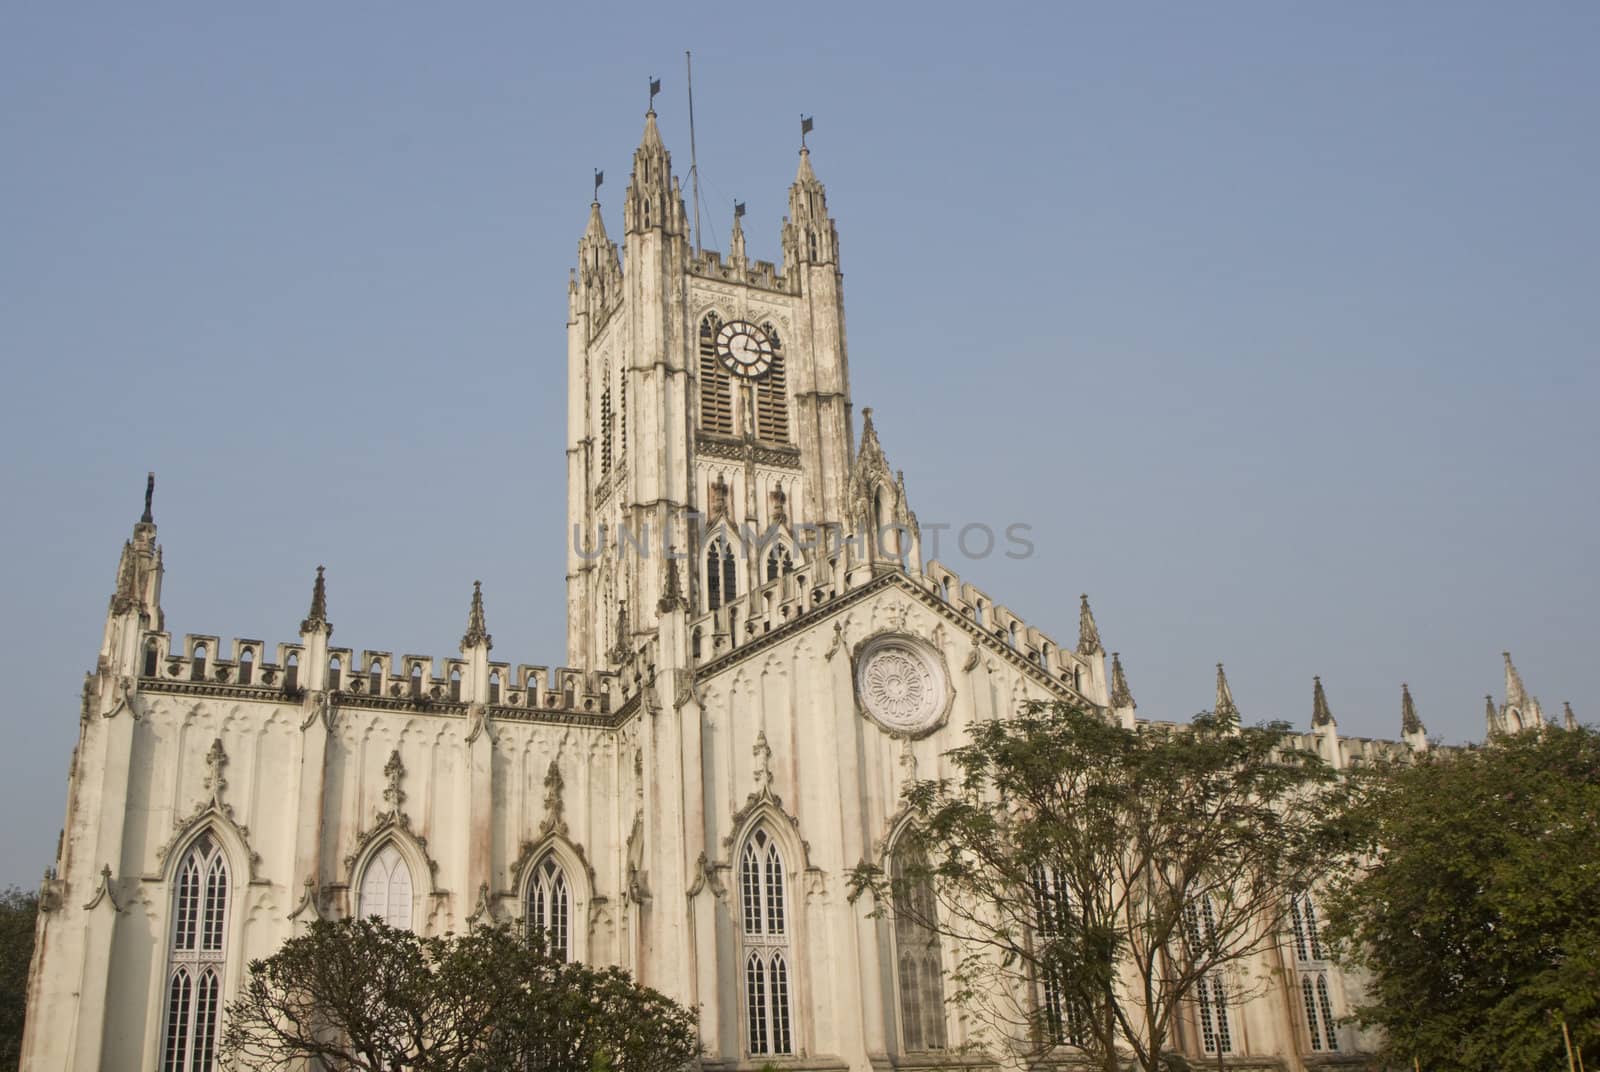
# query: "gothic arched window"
605, 431
195, 959
386, 888
1312, 968
722, 582
716, 385
764, 924
1216, 1034
1063, 1020
780, 563
550, 907
917, 952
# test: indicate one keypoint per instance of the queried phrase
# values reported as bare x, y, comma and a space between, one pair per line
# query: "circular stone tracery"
901, 686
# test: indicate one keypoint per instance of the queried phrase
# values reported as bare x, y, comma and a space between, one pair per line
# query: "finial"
1491, 718
1516, 695
1088, 631
1120, 696
317, 618
671, 595
599, 178
149, 496
619, 650
655, 87
477, 632
1224, 707
1409, 722
1570, 719
1320, 714
806, 127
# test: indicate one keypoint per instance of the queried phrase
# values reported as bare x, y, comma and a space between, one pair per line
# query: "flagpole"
694, 164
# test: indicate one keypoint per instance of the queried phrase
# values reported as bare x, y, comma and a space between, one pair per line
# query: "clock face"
744, 349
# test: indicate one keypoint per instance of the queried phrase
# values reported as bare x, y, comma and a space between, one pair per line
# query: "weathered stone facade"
741, 715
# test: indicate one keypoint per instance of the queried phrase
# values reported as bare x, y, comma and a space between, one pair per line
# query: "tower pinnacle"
1225, 707
1120, 696
477, 630
317, 617
1320, 713
809, 235
1409, 722
1088, 632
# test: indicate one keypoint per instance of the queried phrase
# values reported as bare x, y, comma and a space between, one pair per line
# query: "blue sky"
1276, 323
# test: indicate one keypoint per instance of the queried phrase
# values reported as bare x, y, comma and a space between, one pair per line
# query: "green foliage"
18, 913
360, 995
1477, 907
1137, 828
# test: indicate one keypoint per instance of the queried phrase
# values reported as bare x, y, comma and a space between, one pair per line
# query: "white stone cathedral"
759, 662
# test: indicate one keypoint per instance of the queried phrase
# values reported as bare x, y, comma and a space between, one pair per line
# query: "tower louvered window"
1312, 966
1211, 993
918, 958
1063, 1020
772, 396
716, 386
764, 926
550, 907
195, 960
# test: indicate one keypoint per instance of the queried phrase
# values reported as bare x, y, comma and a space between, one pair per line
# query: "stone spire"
809, 235
1568, 718
1490, 716
1516, 695
1120, 696
1088, 632
1320, 714
1409, 722
1224, 707
316, 619
477, 629
653, 201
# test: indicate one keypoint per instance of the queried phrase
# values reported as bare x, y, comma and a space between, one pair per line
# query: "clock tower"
708, 410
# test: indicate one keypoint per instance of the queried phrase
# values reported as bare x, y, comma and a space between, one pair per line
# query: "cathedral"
758, 658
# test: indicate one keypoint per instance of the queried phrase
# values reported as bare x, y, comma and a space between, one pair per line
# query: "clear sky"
1277, 323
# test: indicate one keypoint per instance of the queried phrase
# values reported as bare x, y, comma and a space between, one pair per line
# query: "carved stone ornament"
901, 684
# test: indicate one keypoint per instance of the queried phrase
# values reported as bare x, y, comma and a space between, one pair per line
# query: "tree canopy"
18, 913
1476, 909
1095, 878
360, 996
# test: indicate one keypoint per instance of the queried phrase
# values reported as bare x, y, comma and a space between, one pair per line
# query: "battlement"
377, 679
763, 275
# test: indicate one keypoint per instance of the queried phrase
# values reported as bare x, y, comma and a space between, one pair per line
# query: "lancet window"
1062, 1020
1312, 968
1211, 993
716, 385
918, 961
765, 929
196, 956
722, 578
550, 906
386, 890
772, 395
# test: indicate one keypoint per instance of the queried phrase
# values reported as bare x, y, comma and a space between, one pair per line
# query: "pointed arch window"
722, 580
550, 906
1216, 1032
918, 955
1062, 1020
196, 957
780, 562
605, 431
386, 890
716, 385
1312, 967
764, 926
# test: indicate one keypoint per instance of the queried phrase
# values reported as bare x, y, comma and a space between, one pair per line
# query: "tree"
1476, 906
1096, 879
360, 996
18, 913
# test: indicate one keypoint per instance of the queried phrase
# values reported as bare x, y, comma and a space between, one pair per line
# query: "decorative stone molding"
901, 684
105, 891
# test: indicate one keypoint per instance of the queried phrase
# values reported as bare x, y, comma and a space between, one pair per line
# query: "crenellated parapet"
762, 275
378, 680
